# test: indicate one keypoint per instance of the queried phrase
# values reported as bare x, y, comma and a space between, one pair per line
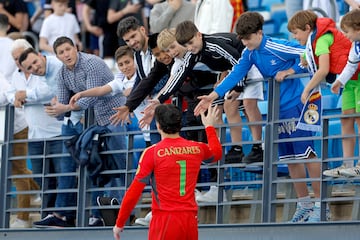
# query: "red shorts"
174, 226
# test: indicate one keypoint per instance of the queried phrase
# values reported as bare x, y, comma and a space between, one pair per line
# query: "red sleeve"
129, 202
214, 143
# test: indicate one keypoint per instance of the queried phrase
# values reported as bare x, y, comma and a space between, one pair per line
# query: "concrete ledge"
328, 231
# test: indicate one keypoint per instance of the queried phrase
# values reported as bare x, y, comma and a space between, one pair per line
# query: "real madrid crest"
311, 115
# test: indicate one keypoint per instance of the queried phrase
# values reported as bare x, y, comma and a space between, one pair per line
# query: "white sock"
348, 164
305, 202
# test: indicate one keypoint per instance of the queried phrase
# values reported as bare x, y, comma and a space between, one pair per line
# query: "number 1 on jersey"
182, 164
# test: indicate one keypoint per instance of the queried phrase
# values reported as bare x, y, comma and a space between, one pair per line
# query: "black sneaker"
51, 221
96, 222
109, 215
255, 156
234, 155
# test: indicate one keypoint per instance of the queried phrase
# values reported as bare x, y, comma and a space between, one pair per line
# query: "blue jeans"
52, 165
117, 142
67, 165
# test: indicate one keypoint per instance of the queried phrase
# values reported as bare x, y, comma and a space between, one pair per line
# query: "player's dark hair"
168, 117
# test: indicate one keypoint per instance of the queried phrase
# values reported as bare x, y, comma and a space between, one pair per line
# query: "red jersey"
171, 166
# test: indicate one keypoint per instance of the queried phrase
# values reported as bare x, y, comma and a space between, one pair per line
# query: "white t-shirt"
213, 16
56, 26
7, 63
118, 85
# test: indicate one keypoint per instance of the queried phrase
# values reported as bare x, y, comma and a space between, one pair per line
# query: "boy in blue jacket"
277, 59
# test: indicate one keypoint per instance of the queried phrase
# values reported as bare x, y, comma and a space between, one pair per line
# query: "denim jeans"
67, 165
52, 165
117, 142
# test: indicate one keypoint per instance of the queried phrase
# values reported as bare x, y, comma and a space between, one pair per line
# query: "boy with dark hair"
277, 59
221, 52
196, 84
173, 196
185, 31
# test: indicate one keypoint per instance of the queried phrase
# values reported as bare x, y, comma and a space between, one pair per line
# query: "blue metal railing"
262, 179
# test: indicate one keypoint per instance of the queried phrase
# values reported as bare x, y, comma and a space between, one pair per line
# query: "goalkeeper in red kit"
171, 166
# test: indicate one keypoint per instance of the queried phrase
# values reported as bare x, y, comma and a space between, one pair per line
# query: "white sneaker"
144, 221
35, 200
211, 195
351, 172
335, 172
18, 223
197, 193
301, 214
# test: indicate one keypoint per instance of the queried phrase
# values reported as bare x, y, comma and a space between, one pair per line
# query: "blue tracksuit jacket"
273, 55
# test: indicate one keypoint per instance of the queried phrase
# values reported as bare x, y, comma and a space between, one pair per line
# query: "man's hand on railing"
18, 104
56, 108
20, 96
